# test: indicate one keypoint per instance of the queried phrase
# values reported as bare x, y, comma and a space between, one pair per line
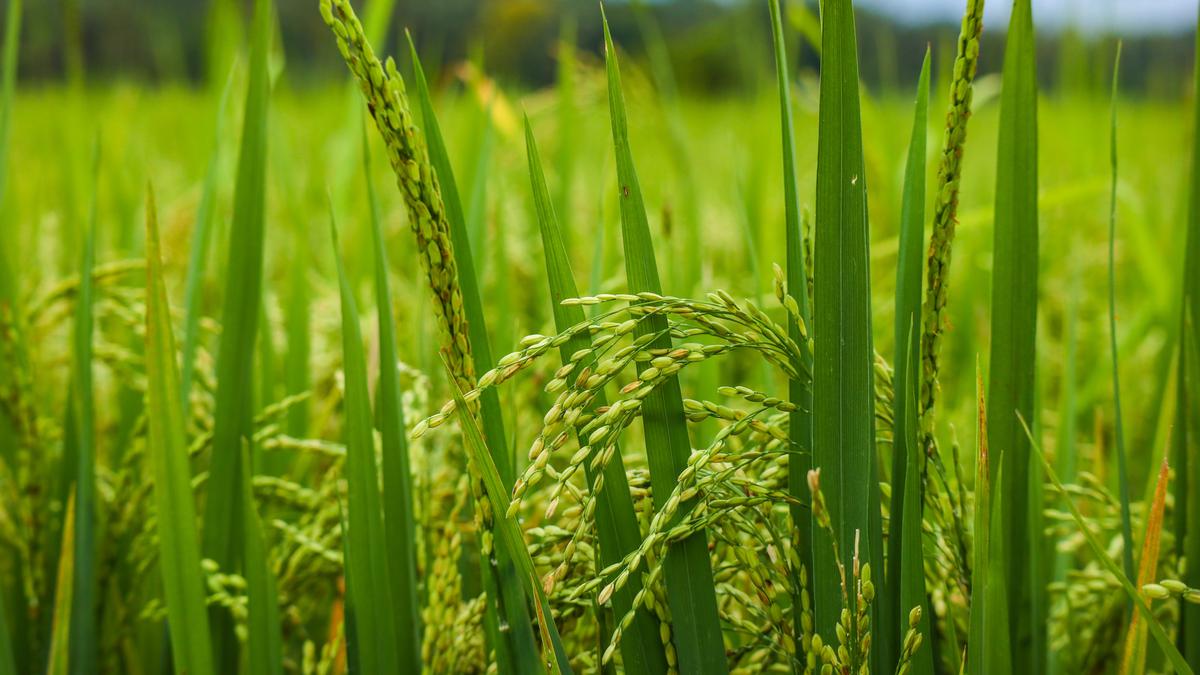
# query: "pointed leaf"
616, 521
370, 591
178, 539
691, 592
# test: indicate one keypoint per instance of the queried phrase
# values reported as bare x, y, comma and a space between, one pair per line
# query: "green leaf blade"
1014, 329
616, 521
843, 374
371, 590
400, 528
83, 635
506, 529
232, 418
1118, 419
264, 641
201, 241
906, 564
800, 422
688, 571
178, 539
1186, 447
500, 583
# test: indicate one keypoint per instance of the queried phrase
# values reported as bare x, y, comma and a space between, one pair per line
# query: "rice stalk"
440, 229
499, 578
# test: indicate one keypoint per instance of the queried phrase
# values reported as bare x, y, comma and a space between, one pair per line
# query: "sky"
1128, 16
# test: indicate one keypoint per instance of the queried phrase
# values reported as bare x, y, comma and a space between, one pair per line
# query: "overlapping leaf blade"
501, 584
264, 642
616, 522
83, 638
843, 376
371, 587
906, 567
222, 536
800, 422
691, 592
178, 539
1014, 328
399, 525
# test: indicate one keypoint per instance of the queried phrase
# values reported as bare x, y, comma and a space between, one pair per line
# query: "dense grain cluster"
706, 483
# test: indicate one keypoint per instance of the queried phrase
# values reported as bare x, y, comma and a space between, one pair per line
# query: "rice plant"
670, 472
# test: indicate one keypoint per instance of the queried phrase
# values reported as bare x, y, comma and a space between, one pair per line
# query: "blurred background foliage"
181, 41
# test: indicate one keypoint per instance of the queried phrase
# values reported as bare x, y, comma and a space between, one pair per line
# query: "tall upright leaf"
800, 422
1119, 429
906, 568
689, 269
233, 415
398, 519
843, 376
988, 640
616, 522
500, 583
1014, 323
371, 589
178, 540
83, 637
1186, 451
264, 642
691, 593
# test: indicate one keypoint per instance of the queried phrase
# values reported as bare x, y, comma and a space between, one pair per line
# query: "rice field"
413, 371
